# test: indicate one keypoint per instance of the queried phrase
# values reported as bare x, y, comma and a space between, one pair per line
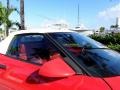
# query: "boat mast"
78, 18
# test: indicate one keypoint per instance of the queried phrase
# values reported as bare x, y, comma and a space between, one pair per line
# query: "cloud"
110, 13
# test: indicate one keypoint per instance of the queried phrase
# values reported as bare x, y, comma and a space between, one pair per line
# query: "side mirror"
56, 68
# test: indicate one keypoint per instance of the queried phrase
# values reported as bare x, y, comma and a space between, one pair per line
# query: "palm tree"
8, 4
22, 21
7, 30
4, 18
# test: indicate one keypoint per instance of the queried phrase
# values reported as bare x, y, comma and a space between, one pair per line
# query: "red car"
50, 59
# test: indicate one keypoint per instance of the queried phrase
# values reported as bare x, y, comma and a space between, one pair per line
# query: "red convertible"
51, 59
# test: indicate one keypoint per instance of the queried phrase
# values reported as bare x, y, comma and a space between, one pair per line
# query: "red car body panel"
114, 82
79, 82
16, 72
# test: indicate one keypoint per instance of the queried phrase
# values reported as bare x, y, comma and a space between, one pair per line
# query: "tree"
8, 5
22, 21
102, 29
21, 13
4, 17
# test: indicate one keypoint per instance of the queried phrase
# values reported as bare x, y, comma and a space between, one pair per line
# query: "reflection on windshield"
95, 57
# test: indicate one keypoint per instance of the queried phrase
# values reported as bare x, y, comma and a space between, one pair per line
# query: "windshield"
94, 56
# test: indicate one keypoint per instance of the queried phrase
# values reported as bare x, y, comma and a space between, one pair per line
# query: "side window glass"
37, 49
13, 48
34, 48
30, 45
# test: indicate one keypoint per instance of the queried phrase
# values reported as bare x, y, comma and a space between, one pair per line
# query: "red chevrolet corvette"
50, 59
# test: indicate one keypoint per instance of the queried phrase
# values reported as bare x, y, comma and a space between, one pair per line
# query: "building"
118, 22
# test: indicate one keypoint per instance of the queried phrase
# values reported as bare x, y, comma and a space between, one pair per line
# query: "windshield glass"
94, 56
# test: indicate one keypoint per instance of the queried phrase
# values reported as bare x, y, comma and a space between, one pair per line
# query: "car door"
16, 67
14, 70
14, 73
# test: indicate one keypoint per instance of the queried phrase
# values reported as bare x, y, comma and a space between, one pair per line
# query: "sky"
92, 13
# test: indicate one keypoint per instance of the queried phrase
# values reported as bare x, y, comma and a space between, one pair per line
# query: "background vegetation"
5, 22
111, 40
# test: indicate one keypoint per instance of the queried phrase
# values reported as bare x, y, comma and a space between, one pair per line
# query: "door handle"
3, 66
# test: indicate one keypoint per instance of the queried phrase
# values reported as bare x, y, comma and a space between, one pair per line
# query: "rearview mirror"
56, 68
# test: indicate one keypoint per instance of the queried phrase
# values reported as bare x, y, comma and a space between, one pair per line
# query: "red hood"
78, 82
114, 82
